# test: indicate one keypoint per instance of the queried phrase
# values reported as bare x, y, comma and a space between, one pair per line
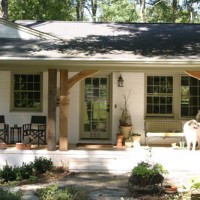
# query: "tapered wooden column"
51, 125
64, 106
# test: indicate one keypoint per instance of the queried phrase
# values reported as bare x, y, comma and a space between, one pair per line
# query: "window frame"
171, 115
176, 110
32, 109
190, 96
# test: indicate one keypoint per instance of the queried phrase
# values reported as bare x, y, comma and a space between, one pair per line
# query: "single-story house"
69, 71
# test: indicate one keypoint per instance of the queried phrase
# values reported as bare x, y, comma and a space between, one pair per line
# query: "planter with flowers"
146, 177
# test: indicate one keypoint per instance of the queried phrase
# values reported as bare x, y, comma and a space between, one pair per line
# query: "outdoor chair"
35, 130
4, 130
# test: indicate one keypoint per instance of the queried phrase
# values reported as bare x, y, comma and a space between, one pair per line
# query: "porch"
107, 159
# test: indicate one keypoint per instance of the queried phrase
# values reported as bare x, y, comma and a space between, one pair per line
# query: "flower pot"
136, 140
120, 139
2, 145
128, 144
22, 146
126, 131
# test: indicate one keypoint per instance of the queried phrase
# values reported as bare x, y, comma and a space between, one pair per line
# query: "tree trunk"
80, 9
4, 6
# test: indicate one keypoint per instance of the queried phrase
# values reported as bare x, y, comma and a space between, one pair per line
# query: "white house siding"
133, 84
5, 94
18, 118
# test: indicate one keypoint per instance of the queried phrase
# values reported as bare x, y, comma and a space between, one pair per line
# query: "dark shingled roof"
108, 41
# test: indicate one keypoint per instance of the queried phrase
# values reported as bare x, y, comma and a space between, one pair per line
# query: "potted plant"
136, 138
120, 139
128, 142
146, 175
125, 120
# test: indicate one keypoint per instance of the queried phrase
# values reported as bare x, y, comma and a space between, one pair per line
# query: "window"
26, 92
159, 96
190, 96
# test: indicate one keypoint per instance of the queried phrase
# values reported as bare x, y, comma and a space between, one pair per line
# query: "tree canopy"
169, 11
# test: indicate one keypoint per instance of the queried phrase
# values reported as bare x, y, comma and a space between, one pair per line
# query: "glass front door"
95, 108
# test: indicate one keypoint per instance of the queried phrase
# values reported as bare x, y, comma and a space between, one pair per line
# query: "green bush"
24, 172
42, 164
52, 192
8, 195
8, 173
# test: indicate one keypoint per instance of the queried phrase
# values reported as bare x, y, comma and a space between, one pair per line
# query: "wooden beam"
194, 74
64, 106
51, 125
80, 76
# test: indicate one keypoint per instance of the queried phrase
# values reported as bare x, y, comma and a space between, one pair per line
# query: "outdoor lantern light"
120, 81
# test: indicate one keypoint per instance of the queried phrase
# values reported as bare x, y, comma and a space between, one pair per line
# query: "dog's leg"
193, 144
188, 144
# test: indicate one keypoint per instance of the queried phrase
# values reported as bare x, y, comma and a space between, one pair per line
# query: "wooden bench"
163, 129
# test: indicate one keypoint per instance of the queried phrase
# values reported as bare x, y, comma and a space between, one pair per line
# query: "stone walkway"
103, 186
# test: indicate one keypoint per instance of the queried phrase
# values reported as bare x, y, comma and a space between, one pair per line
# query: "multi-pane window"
190, 96
159, 99
27, 92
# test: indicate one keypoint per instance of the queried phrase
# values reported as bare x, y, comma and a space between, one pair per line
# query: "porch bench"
163, 129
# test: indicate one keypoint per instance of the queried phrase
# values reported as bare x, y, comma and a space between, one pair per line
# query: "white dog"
191, 131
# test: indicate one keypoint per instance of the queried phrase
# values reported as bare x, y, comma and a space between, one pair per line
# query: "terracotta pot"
2, 145
22, 146
120, 139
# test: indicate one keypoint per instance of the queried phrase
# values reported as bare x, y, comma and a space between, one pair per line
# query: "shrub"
148, 169
42, 164
24, 172
8, 195
52, 192
8, 173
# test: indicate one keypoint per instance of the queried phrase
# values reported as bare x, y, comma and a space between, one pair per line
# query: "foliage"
8, 173
125, 119
129, 139
118, 11
53, 192
41, 10
42, 164
32, 179
24, 171
146, 169
135, 134
8, 195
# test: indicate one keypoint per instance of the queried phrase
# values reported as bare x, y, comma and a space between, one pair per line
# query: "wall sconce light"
120, 81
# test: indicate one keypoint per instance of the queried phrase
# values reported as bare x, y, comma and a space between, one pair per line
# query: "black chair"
36, 129
4, 130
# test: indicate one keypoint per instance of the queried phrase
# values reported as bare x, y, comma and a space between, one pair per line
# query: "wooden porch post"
51, 125
64, 106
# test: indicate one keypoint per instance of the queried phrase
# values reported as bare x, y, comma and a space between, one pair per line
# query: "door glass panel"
95, 113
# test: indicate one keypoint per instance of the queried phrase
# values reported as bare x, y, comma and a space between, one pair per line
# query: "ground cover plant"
53, 192
9, 195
